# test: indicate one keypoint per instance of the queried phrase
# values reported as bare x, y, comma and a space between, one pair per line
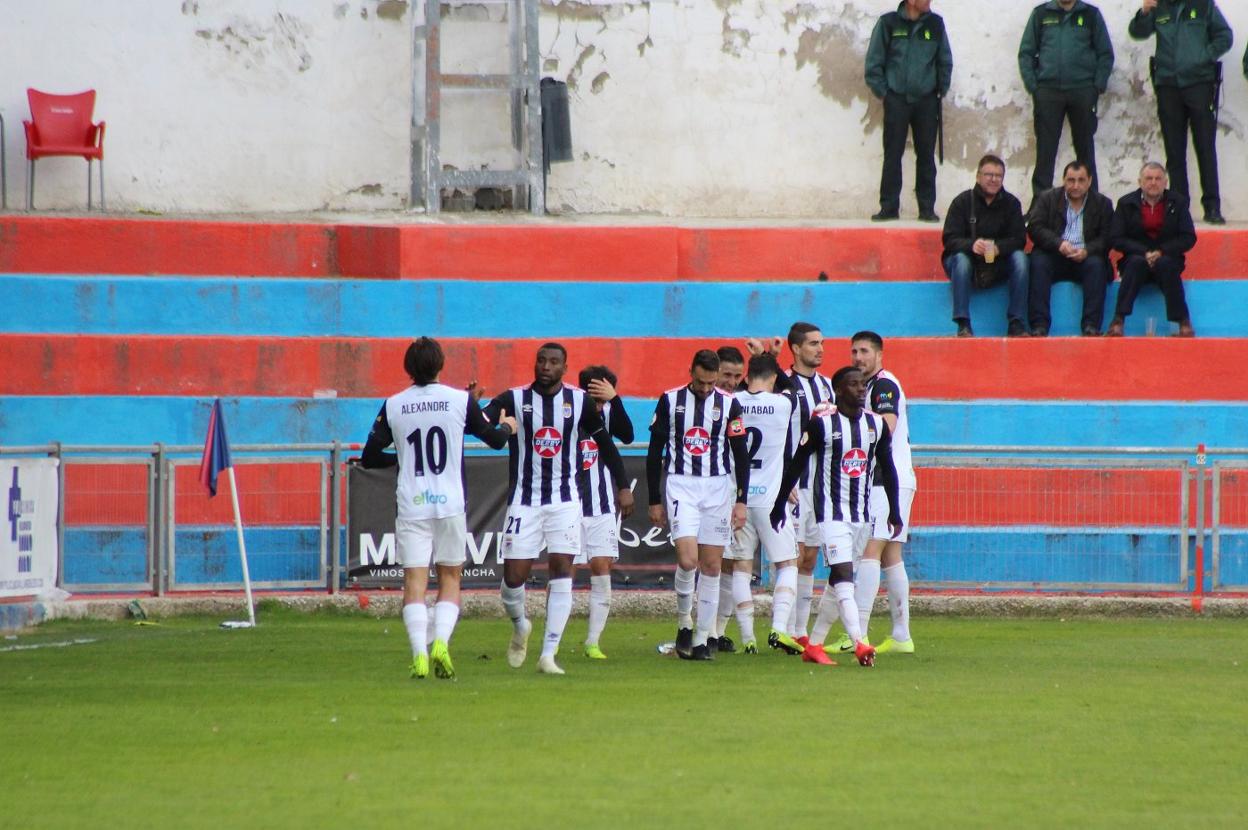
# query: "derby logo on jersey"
567, 409
822, 408
589, 453
854, 463
547, 442
697, 441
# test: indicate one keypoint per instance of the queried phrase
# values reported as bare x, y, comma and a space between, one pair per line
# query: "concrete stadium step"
459, 308
1055, 368
553, 249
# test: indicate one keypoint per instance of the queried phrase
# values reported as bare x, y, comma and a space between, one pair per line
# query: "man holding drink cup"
983, 245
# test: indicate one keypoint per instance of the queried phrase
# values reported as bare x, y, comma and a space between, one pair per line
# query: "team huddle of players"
794, 463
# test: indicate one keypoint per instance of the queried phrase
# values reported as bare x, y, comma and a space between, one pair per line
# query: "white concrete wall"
680, 107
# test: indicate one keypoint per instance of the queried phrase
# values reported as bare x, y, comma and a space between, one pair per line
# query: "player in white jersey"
600, 537
813, 392
426, 424
697, 436
767, 416
854, 444
544, 503
885, 398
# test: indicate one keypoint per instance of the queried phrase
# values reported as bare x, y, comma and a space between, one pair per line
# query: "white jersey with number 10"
427, 423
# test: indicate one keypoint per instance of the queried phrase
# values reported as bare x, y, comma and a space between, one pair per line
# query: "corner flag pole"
242, 548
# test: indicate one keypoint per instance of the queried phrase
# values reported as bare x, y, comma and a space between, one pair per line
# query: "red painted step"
1127, 369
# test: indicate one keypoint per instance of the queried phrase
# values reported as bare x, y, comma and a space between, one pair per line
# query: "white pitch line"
61, 644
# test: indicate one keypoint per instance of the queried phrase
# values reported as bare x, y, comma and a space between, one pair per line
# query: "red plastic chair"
61, 125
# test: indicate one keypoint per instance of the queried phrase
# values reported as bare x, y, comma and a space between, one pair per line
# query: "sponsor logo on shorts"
589, 453
547, 442
428, 497
854, 463
697, 441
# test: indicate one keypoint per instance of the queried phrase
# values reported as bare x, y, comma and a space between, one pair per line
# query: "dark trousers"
1047, 268
1052, 107
1177, 109
900, 119
1167, 273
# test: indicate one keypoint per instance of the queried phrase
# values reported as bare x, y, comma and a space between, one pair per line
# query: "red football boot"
814, 653
865, 653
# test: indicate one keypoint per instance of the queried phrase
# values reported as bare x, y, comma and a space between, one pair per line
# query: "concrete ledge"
644, 604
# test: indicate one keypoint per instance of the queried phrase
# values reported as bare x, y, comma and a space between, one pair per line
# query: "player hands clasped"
851, 446
697, 435
544, 502
600, 537
430, 420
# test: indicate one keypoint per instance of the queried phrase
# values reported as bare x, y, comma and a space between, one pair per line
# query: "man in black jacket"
984, 239
1153, 229
1069, 229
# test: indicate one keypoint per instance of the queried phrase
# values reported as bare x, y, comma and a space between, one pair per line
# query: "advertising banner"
646, 554
28, 534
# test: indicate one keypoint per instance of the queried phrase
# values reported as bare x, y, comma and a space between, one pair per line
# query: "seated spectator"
984, 239
1069, 229
1153, 229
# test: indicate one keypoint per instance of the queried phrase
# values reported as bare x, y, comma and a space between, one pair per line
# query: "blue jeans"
960, 269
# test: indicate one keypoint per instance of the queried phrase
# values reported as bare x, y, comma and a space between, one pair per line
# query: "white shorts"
844, 541
555, 528
701, 507
807, 528
879, 513
599, 537
778, 545
444, 541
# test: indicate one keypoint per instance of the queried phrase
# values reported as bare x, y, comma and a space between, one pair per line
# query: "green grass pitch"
311, 721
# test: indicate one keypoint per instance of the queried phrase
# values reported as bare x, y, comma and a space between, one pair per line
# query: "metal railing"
989, 517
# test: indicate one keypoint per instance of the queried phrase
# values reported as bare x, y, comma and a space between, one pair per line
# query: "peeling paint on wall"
391, 9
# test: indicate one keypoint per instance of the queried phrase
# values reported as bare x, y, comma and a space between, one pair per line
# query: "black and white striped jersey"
598, 487
853, 451
809, 392
694, 436
544, 454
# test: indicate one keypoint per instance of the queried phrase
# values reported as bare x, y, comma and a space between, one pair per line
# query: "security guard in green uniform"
1191, 36
1065, 58
909, 66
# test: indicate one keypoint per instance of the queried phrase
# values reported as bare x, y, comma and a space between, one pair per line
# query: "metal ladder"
522, 83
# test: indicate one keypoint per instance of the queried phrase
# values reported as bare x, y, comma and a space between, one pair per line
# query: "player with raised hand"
698, 437
851, 446
544, 500
430, 420
600, 538
767, 416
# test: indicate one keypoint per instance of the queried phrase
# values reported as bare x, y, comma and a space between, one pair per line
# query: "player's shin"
828, 612
684, 596
805, 596
726, 606
708, 607
898, 583
866, 587
445, 615
743, 602
849, 609
416, 621
513, 602
558, 609
599, 607
783, 596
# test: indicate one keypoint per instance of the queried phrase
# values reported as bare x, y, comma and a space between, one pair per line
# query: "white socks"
726, 605
558, 609
805, 593
599, 606
743, 600
849, 609
684, 596
866, 586
827, 615
899, 600
416, 620
513, 602
708, 607
782, 597
445, 615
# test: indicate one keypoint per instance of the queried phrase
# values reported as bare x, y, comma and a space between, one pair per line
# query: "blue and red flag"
216, 450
